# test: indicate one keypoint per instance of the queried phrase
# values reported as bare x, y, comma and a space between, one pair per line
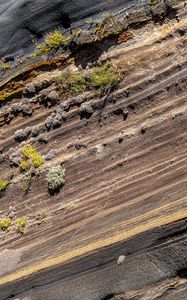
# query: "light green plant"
21, 223
52, 41
31, 158
73, 82
5, 223
103, 77
56, 178
3, 185
5, 66
100, 78
154, 2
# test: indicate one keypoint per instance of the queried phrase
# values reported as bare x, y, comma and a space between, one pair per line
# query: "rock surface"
125, 192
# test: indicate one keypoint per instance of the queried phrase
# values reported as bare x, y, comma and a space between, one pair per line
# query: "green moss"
3, 185
5, 223
21, 222
109, 25
31, 158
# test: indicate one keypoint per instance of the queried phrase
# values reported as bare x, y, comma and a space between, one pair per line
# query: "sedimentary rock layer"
125, 191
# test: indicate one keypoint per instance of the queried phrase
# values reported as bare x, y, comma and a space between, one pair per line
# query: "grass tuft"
100, 78
52, 41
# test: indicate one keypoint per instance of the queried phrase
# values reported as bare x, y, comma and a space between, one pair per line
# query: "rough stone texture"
23, 21
125, 190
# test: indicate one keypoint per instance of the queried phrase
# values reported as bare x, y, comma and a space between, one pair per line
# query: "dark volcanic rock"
22, 21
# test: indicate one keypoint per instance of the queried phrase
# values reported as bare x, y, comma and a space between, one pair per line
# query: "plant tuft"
31, 158
5, 223
3, 185
21, 223
56, 178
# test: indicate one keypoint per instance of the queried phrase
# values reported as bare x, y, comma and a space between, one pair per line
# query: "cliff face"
22, 21
117, 228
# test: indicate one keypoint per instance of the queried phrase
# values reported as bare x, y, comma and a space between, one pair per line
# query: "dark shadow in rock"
89, 53
182, 273
108, 297
85, 115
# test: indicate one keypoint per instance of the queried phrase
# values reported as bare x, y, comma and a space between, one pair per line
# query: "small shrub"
21, 223
42, 49
104, 77
5, 66
31, 158
27, 183
100, 78
25, 165
5, 223
56, 178
154, 2
3, 185
73, 82
53, 41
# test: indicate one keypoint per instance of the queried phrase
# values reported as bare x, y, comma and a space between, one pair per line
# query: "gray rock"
16, 161
56, 122
28, 130
11, 212
52, 98
20, 19
121, 260
16, 108
86, 108
21, 135
65, 105
42, 138
16, 153
26, 110
30, 87
51, 154
35, 131
49, 122
78, 144
53, 114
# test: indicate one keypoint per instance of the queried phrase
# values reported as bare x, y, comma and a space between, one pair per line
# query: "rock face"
117, 228
23, 21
